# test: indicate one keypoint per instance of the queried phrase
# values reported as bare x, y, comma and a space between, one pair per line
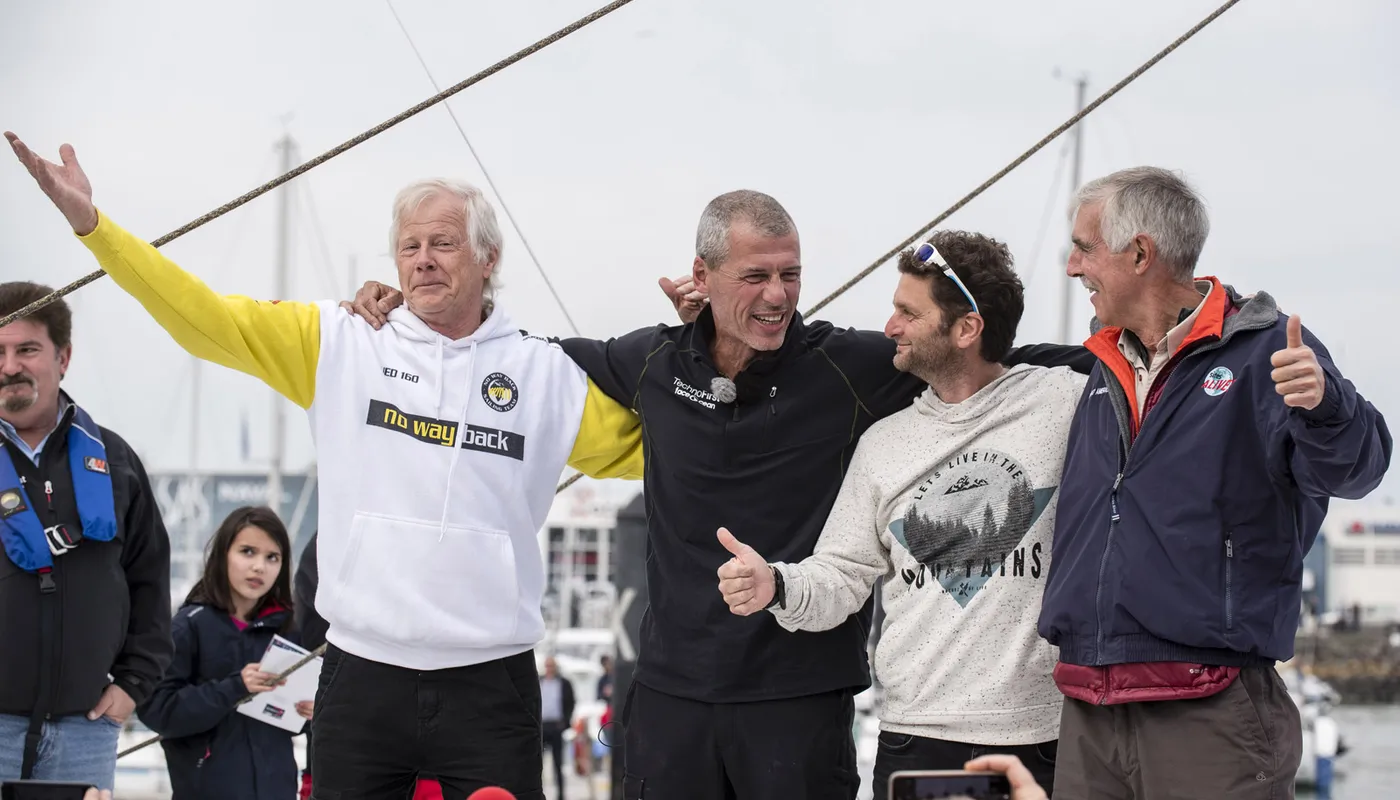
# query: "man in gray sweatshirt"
952, 502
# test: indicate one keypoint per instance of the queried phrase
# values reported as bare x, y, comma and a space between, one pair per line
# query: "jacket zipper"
1128, 441
1229, 559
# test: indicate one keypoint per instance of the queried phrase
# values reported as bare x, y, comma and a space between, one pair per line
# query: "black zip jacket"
213, 752
110, 612
768, 467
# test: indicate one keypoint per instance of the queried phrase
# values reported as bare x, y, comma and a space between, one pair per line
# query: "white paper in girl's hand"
279, 706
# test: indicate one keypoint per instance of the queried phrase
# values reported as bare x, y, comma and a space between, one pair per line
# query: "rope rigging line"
499, 197
333, 152
865, 273
306, 659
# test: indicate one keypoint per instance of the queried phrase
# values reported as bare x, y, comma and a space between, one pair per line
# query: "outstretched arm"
278, 343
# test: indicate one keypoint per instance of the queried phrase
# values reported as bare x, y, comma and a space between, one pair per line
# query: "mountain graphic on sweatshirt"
968, 517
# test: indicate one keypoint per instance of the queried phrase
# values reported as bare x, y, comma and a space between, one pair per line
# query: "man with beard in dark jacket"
85, 574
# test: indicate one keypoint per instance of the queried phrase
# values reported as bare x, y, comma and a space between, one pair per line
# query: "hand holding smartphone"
950, 784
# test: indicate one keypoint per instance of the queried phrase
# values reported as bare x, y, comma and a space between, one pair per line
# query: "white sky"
865, 119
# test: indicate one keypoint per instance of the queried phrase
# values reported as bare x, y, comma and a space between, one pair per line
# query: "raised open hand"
66, 184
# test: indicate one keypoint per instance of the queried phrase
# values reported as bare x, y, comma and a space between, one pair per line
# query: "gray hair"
755, 208
483, 233
1152, 201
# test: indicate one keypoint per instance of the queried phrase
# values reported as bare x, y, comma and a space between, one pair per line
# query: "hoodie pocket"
406, 581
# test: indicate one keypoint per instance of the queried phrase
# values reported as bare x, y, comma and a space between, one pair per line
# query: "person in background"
85, 574
221, 632
605, 681
311, 626
556, 713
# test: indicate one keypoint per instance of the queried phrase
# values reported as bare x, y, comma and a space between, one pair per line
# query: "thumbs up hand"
746, 580
1297, 375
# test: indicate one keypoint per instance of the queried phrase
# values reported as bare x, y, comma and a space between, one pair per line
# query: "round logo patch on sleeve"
499, 391
1218, 381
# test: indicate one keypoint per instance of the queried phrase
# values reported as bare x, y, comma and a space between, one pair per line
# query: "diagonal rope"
306, 659
333, 152
865, 273
499, 197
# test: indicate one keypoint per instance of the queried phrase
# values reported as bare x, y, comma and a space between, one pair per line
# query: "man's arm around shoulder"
1076, 357
865, 360
616, 365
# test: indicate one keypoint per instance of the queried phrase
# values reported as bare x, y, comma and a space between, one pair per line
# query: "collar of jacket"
701, 336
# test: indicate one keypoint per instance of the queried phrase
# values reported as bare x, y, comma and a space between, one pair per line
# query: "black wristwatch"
779, 590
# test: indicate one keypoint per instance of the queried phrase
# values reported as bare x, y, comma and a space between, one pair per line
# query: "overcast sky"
865, 119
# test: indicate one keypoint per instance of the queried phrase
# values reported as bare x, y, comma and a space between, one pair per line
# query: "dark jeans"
1245, 742
900, 751
554, 742
378, 727
678, 749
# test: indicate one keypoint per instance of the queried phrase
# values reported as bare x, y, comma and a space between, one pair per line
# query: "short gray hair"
1152, 201
483, 232
755, 208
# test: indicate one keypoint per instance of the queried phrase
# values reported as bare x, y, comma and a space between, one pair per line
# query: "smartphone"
948, 783
43, 790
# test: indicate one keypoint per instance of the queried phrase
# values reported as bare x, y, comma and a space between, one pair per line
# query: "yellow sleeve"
275, 342
609, 443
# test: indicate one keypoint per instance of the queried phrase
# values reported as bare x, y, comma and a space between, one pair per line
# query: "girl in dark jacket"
221, 633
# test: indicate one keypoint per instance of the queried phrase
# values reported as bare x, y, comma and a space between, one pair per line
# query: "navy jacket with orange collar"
1180, 537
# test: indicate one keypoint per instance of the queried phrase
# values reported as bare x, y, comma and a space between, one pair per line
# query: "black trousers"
378, 727
554, 742
679, 749
900, 751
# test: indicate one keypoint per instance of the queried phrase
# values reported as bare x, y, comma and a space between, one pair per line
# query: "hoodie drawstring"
461, 430
442, 379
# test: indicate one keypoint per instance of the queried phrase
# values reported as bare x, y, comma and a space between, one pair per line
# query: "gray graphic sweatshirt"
953, 506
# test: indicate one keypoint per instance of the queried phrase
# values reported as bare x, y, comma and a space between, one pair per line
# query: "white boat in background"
1322, 738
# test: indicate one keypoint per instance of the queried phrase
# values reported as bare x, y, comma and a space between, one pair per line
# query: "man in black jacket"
749, 417
85, 575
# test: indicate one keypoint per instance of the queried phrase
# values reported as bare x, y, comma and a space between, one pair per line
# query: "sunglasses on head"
927, 254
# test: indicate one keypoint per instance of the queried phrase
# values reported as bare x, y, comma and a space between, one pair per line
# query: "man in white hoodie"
440, 440
952, 502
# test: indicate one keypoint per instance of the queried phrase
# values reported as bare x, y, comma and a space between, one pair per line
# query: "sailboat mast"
1081, 85
279, 421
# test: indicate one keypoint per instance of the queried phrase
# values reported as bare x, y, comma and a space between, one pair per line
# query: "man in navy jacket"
1204, 450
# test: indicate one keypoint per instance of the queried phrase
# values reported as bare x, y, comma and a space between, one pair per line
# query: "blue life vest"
25, 540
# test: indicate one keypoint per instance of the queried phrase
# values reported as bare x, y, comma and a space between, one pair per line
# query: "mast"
1081, 85
194, 416
279, 421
